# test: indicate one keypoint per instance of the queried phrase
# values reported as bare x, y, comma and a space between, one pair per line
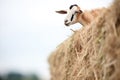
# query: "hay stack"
91, 53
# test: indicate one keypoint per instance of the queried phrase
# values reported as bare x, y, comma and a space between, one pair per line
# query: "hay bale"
92, 52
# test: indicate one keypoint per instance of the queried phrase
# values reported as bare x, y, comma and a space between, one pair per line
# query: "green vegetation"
19, 76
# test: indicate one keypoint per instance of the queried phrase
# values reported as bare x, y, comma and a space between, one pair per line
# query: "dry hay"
91, 53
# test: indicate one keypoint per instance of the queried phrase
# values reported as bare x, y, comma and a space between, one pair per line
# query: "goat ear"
80, 11
61, 12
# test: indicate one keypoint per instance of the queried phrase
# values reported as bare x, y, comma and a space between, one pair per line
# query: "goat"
76, 15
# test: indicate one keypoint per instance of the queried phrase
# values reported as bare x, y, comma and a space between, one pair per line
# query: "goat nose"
66, 21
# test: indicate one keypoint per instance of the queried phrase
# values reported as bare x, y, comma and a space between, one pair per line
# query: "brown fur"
89, 16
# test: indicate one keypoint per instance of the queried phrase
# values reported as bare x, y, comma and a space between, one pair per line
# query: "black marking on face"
72, 17
72, 6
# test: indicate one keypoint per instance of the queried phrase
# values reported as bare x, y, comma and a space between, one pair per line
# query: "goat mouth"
67, 24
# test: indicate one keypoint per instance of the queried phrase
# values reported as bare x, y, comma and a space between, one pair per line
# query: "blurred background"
29, 31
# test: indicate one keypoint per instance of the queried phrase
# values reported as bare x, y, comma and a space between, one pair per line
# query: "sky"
30, 30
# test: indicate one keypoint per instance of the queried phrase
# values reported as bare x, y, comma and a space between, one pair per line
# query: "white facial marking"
71, 14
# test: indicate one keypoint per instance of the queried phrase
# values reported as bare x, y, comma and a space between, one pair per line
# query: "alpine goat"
76, 15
